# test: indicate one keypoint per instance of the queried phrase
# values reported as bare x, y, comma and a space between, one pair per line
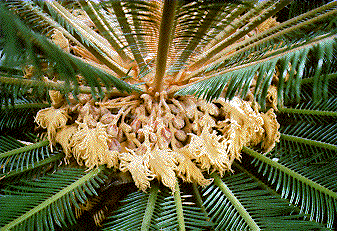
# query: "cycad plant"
167, 115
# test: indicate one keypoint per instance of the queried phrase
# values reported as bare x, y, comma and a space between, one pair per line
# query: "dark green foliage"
19, 114
194, 218
31, 46
48, 201
20, 94
19, 103
130, 214
268, 210
274, 50
306, 180
326, 133
30, 14
238, 81
298, 7
17, 158
307, 150
17, 118
314, 113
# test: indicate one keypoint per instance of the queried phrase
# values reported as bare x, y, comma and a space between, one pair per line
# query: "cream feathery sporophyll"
158, 136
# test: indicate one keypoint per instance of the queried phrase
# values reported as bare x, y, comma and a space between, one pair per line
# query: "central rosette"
158, 136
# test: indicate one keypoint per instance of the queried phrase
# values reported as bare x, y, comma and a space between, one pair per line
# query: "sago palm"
167, 115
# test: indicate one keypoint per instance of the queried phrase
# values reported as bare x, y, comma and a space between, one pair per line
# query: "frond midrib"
35, 165
24, 149
53, 199
290, 172
235, 202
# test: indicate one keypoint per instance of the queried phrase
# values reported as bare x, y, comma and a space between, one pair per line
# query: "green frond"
17, 158
285, 34
236, 200
37, 19
34, 17
244, 216
239, 27
42, 203
179, 207
13, 119
100, 21
313, 131
138, 211
194, 26
121, 10
89, 39
279, 47
316, 163
149, 17
19, 95
130, 215
192, 217
30, 14
39, 89
308, 110
156, 211
150, 207
300, 127
66, 65
238, 79
299, 7
18, 106
325, 111
206, 28
330, 90
195, 20
26, 104
203, 48
306, 190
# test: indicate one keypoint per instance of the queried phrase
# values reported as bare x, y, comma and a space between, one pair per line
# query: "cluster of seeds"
156, 136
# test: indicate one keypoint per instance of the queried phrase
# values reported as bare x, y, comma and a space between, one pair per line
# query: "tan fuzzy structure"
243, 126
271, 98
28, 72
210, 150
267, 24
64, 137
52, 119
57, 99
59, 39
162, 164
137, 165
271, 126
159, 136
90, 145
156, 135
187, 170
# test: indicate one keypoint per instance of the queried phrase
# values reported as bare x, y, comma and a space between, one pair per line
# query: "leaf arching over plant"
65, 64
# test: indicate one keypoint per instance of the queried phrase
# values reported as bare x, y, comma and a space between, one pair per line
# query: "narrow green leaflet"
47, 201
